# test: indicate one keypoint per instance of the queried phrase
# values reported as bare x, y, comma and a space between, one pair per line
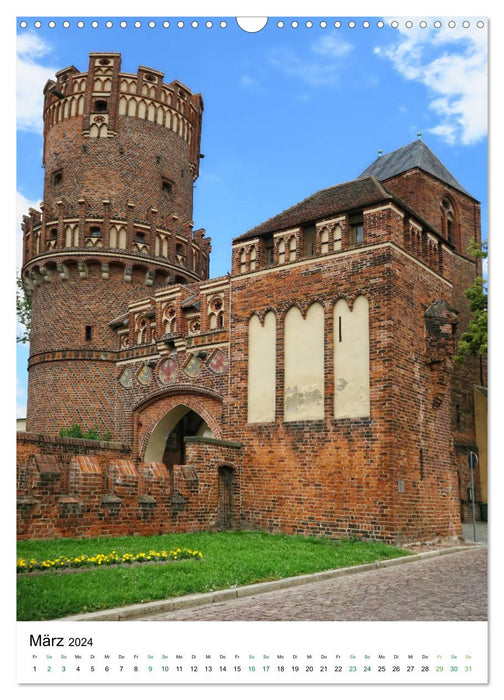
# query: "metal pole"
472, 502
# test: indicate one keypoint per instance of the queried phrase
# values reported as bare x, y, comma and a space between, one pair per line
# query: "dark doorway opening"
189, 425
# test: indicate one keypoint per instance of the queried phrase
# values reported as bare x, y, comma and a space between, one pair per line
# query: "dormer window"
356, 222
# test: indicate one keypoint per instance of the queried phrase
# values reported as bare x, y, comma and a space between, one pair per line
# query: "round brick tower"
121, 154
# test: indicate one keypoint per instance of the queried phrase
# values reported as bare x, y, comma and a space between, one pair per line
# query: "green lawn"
229, 559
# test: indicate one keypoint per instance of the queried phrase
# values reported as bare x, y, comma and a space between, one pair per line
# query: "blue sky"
288, 110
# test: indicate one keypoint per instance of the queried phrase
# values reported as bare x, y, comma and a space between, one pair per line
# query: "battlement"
69, 488
69, 228
340, 234
128, 142
181, 317
104, 94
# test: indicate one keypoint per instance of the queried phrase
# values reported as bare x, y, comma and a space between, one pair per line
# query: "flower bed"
28, 565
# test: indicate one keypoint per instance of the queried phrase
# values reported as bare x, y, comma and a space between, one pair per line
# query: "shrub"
92, 434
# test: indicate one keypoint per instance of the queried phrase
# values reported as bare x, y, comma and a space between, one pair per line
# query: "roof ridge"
415, 154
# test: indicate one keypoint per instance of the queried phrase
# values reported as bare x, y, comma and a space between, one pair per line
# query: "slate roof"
355, 194
414, 155
366, 190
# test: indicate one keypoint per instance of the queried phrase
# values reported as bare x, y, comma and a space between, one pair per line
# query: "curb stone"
139, 610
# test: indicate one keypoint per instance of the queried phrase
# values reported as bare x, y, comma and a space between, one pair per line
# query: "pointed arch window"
281, 252
292, 249
448, 222
243, 260
253, 256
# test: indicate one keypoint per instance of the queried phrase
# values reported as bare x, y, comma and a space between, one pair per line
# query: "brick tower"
121, 154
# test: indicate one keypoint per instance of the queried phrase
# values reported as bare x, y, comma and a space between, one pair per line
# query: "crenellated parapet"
65, 231
276, 245
175, 318
105, 94
121, 154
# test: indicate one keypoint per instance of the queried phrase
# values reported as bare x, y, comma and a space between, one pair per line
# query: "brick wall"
78, 488
379, 477
425, 193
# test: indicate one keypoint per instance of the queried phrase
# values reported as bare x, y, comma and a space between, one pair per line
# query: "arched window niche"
304, 364
351, 359
261, 369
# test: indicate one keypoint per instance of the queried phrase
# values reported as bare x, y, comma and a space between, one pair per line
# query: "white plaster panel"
351, 359
304, 364
262, 369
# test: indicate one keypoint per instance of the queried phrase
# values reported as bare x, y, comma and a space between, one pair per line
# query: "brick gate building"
313, 390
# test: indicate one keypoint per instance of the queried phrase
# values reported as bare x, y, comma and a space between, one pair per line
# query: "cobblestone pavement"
447, 587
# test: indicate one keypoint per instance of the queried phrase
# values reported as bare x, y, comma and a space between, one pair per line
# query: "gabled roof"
414, 155
355, 194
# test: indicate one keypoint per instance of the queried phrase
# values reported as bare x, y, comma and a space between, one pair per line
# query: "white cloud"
246, 81
331, 45
322, 66
30, 75
452, 64
312, 72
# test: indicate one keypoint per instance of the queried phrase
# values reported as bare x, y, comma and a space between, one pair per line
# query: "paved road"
448, 587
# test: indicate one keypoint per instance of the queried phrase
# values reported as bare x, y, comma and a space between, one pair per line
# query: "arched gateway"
182, 430
163, 422
166, 442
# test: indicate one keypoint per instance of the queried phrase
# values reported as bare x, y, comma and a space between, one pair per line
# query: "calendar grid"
206, 653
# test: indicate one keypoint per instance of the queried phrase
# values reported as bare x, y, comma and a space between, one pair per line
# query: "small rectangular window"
357, 228
309, 233
167, 186
88, 333
268, 250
